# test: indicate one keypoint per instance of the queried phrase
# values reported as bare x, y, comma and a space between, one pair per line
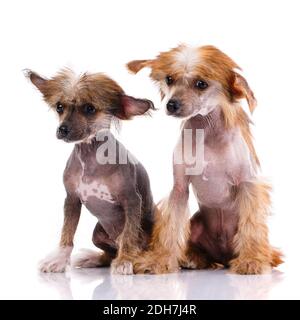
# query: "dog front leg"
58, 260
129, 240
170, 231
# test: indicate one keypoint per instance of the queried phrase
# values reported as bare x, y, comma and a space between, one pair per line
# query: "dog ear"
136, 65
36, 79
241, 89
131, 106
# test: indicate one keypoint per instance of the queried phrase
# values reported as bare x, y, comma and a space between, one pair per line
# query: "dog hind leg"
254, 254
92, 259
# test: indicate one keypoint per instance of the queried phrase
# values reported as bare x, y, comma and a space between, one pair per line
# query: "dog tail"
168, 241
276, 257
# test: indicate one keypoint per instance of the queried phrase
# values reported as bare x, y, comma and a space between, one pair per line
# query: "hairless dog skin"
115, 191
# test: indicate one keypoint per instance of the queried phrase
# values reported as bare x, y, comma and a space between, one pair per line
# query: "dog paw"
56, 261
216, 266
199, 264
122, 267
188, 264
194, 262
249, 266
86, 259
158, 267
90, 259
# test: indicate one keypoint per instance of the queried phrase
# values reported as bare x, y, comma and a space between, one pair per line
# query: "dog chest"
96, 196
94, 189
224, 168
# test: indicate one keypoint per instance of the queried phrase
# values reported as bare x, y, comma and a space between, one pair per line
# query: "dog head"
196, 80
86, 104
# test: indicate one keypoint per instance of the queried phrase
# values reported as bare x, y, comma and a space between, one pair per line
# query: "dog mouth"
176, 114
72, 136
179, 114
68, 140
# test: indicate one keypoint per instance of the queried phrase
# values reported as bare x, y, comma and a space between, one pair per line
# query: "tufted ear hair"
130, 107
240, 89
37, 80
136, 65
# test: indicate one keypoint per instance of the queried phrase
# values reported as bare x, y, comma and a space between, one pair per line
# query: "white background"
261, 36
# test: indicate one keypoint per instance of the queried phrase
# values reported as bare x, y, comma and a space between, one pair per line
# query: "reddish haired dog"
113, 189
202, 86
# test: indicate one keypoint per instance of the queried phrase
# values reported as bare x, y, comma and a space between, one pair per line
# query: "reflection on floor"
100, 284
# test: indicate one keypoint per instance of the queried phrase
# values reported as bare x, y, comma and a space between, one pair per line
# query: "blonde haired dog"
203, 87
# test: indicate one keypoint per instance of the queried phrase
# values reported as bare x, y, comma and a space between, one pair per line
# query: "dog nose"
63, 130
173, 106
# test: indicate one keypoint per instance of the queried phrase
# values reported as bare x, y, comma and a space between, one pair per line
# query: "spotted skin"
104, 188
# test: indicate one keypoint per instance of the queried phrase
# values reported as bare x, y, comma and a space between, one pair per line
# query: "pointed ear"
136, 65
130, 107
241, 89
36, 79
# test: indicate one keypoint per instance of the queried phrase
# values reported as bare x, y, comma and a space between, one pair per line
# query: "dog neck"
93, 141
213, 124
209, 122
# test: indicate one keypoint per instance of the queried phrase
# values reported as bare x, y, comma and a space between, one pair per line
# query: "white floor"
99, 284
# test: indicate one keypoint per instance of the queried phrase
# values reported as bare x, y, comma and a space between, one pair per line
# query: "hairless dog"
100, 173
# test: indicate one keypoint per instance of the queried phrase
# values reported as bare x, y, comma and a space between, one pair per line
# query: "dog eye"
89, 108
200, 84
59, 108
169, 80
